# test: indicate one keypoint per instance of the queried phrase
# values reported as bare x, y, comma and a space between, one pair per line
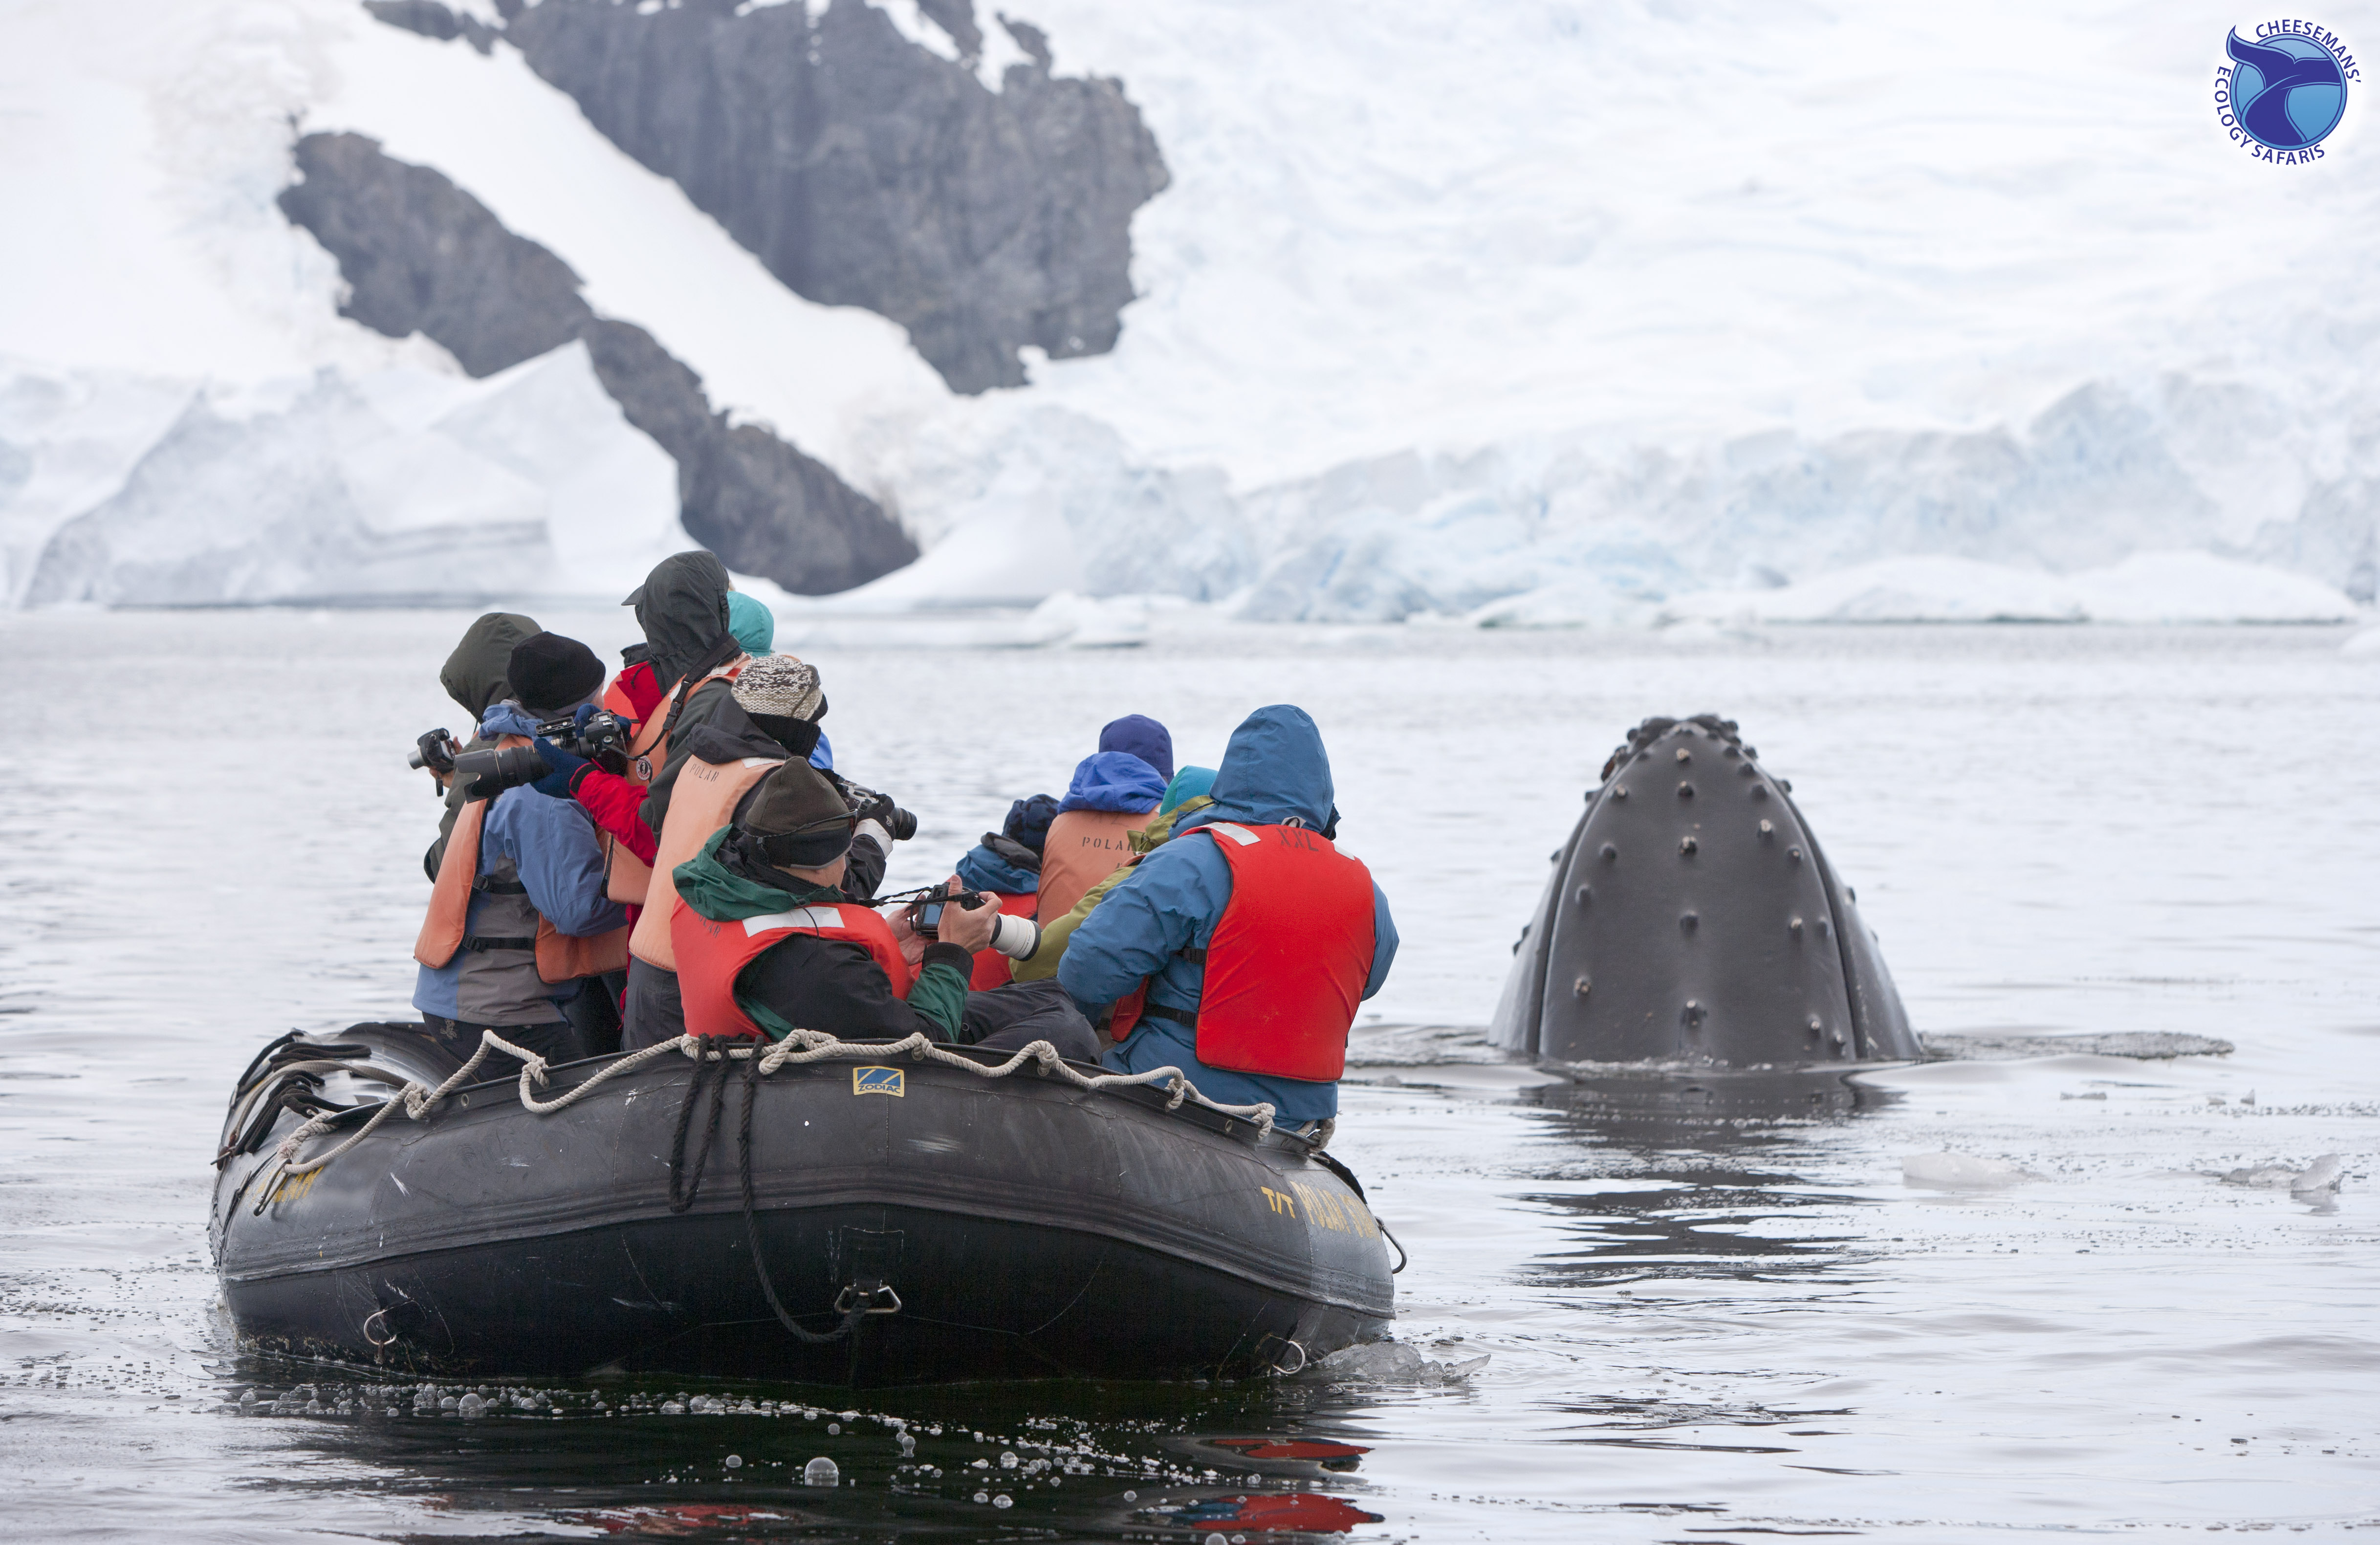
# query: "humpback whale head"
1693, 919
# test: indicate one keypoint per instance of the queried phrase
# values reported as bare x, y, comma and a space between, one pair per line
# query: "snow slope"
1526, 312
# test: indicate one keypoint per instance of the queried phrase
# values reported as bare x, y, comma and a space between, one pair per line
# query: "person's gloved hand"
562, 780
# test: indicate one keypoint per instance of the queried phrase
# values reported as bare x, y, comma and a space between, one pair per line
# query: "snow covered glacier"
1526, 313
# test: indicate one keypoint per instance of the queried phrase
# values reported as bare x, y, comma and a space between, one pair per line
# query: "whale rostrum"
1692, 918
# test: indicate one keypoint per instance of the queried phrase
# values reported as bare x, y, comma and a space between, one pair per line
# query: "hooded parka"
1158, 923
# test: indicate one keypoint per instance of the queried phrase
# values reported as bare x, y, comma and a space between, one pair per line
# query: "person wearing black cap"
766, 942
518, 917
474, 676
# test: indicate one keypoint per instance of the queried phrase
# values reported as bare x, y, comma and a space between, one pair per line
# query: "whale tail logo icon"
2288, 92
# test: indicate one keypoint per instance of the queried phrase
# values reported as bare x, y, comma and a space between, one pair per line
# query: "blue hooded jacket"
554, 845
1113, 781
1274, 770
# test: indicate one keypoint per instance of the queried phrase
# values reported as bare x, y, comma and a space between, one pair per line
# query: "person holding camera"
474, 676
518, 919
1247, 938
769, 716
767, 941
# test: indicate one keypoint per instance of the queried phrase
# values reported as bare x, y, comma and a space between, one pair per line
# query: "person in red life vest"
1253, 936
1113, 793
519, 922
1007, 865
767, 941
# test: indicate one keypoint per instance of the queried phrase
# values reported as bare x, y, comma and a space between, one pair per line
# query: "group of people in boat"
709, 871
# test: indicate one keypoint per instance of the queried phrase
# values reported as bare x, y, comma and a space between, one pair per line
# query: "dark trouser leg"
597, 1015
655, 1012
1006, 1018
557, 1043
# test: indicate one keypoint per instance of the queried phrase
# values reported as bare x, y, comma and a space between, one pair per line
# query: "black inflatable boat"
851, 1214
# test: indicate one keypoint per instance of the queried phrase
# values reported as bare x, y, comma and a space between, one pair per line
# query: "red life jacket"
711, 956
1289, 957
991, 965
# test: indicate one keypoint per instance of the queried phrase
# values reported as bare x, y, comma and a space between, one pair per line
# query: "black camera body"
603, 739
435, 751
926, 909
869, 804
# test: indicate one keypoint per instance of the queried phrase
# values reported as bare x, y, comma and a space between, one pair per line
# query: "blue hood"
1115, 781
1274, 769
508, 718
983, 870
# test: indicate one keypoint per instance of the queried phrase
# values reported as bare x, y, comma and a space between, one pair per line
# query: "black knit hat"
550, 673
796, 819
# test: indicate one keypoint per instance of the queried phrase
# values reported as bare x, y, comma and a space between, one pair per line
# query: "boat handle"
855, 1293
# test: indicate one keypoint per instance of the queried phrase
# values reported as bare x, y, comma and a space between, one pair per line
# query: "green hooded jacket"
474, 676
709, 888
1052, 951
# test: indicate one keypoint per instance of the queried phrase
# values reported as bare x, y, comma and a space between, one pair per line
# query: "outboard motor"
1693, 919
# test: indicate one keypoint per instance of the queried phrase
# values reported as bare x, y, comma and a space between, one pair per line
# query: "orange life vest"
703, 801
1083, 848
627, 878
1289, 958
991, 965
560, 956
711, 956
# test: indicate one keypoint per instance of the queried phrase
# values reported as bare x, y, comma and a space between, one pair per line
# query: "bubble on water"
246, 1401
1007, 1460
672, 1408
734, 1461
1132, 1496
983, 1496
1002, 1500
821, 1471
471, 1405
449, 1404
908, 1445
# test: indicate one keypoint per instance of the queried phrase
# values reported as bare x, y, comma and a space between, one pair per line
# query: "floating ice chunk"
1960, 1171
1393, 1362
2323, 1174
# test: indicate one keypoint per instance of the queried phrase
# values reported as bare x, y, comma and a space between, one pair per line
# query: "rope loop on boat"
799, 1047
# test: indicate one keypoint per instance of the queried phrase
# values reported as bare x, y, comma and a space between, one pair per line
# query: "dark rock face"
434, 21
1693, 919
863, 170
421, 255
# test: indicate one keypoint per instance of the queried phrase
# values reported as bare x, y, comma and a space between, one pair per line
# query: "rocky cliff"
863, 169
421, 255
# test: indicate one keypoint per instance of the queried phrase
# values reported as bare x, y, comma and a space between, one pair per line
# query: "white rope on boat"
799, 1047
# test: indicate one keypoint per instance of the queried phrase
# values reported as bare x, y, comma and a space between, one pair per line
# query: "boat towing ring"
381, 1314
1285, 1367
872, 1294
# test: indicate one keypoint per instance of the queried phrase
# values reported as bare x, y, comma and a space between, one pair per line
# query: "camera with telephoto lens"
488, 773
602, 738
436, 751
1013, 936
869, 804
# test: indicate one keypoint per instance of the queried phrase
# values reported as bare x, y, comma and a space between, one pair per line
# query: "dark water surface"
1712, 1308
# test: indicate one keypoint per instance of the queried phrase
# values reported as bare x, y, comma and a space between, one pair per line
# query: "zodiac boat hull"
1018, 1227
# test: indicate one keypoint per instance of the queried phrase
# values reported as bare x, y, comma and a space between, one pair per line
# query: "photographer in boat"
519, 922
767, 938
1239, 949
